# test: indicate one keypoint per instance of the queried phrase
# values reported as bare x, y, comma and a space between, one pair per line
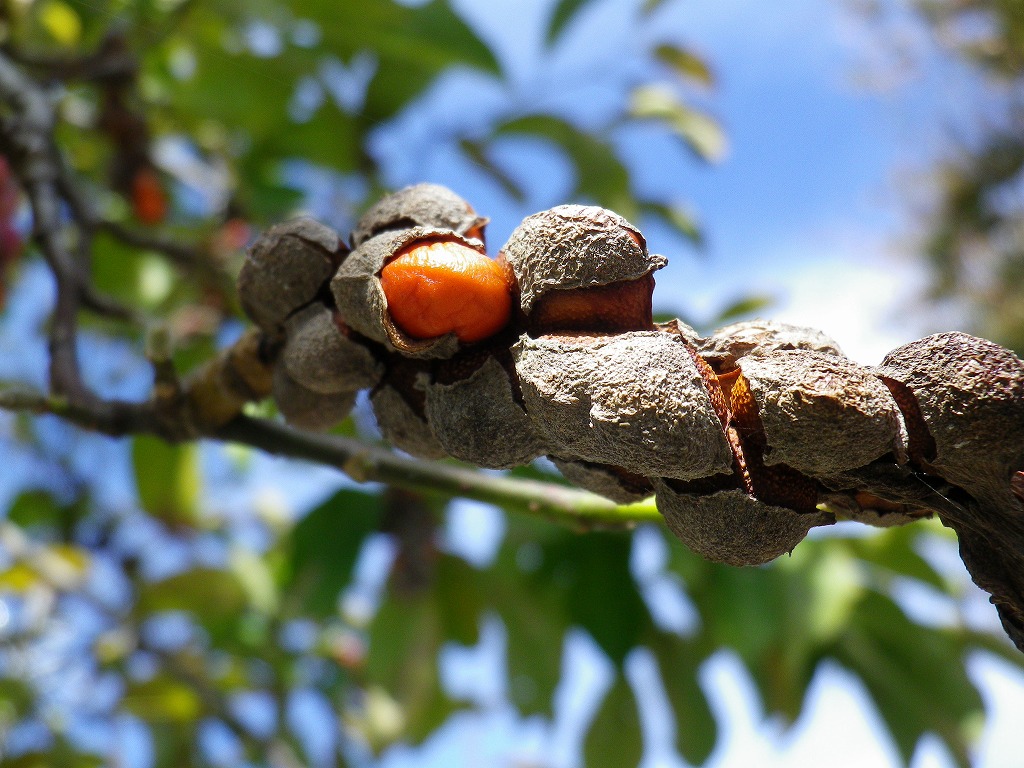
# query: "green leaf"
614, 739
678, 217
699, 131
168, 479
679, 662
892, 552
688, 65
476, 152
600, 174
163, 700
562, 14
743, 307
216, 598
323, 547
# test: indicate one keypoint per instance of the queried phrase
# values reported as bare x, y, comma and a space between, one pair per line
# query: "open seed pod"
475, 412
582, 268
963, 399
447, 290
320, 354
727, 345
306, 409
399, 405
421, 205
822, 415
732, 527
634, 400
286, 269
613, 483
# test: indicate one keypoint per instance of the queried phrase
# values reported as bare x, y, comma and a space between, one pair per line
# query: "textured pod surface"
306, 409
634, 400
732, 527
286, 268
576, 246
478, 420
402, 426
320, 357
611, 482
421, 205
727, 345
361, 300
969, 393
821, 414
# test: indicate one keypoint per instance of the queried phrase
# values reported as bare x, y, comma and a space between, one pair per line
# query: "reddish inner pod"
445, 287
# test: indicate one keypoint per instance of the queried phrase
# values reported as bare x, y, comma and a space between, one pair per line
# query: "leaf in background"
614, 739
168, 479
743, 308
600, 175
678, 217
162, 699
699, 131
61, 22
216, 598
322, 550
679, 663
476, 152
688, 65
893, 553
561, 15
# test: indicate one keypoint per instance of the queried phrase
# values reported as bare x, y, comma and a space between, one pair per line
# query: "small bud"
421, 205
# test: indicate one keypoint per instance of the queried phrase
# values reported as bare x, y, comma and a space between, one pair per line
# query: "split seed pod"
634, 400
963, 398
364, 305
613, 483
399, 406
731, 526
822, 415
421, 205
477, 417
582, 268
320, 354
727, 345
286, 269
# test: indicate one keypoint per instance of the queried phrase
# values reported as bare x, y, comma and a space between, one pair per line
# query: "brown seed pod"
286, 269
361, 299
477, 418
421, 205
582, 268
821, 415
964, 402
402, 425
634, 400
731, 526
727, 345
306, 409
613, 483
320, 354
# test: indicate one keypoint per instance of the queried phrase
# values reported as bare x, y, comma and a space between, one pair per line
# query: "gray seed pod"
361, 300
970, 395
478, 420
611, 482
286, 268
421, 205
634, 400
732, 527
320, 357
576, 246
402, 426
306, 409
727, 345
822, 415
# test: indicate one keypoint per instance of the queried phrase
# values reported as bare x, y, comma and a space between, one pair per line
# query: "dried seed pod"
731, 526
821, 415
582, 268
402, 425
286, 269
320, 354
363, 304
477, 418
727, 345
635, 400
421, 205
306, 409
613, 483
963, 398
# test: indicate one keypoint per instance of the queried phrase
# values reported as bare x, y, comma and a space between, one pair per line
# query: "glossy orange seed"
445, 287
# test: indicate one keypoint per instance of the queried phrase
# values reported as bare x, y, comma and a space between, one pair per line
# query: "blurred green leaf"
163, 699
168, 479
699, 131
677, 217
614, 739
216, 598
744, 307
679, 662
323, 547
688, 65
561, 15
477, 152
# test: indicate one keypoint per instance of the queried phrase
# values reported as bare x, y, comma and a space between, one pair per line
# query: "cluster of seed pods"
551, 350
